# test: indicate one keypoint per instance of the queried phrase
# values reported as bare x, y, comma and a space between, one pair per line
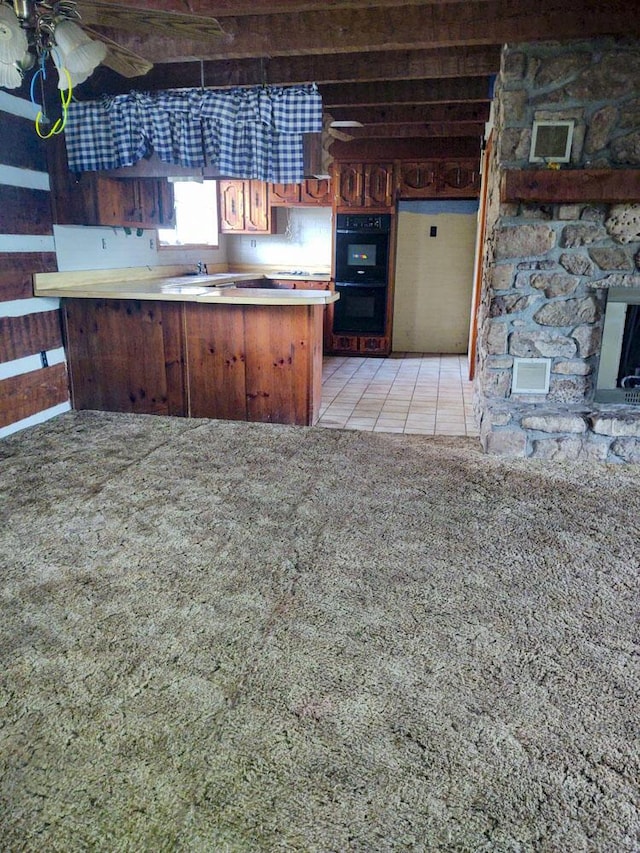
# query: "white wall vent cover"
551, 142
531, 375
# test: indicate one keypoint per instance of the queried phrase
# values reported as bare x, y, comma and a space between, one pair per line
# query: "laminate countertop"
146, 283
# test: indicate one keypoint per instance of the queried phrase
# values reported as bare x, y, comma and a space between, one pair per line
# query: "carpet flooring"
246, 637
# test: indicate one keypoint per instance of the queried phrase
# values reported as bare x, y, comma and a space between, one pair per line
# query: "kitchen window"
196, 204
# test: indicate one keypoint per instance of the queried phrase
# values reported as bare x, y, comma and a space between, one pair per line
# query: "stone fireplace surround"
548, 264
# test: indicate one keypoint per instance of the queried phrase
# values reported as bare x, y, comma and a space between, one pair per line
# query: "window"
196, 215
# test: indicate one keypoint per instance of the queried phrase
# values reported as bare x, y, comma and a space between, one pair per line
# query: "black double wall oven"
361, 273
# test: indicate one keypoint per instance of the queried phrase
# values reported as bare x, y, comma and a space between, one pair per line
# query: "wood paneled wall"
33, 374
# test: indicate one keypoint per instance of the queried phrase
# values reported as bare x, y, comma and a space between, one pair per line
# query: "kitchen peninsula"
226, 345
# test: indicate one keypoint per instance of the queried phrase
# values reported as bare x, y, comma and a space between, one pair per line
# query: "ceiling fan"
32, 31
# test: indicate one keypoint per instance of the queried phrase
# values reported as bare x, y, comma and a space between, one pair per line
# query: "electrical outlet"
44, 359
253, 244
152, 243
104, 242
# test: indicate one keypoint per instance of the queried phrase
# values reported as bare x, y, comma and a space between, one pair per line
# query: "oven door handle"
374, 284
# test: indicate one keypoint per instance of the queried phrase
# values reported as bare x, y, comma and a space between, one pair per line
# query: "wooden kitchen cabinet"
94, 198
438, 179
254, 363
125, 355
91, 199
244, 207
215, 362
327, 317
134, 202
364, 185
459, 178
418, 179
189, 359
359, 345
284, 195
309, 193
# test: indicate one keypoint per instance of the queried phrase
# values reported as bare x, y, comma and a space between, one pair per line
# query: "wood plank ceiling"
416, 75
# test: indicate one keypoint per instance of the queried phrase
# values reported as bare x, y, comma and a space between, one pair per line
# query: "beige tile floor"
408, 392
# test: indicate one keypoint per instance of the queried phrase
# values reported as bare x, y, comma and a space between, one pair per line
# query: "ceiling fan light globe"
66, 77
13, 40
10, 76
80, 53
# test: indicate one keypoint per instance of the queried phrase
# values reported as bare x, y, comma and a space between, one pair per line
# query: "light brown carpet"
245, 637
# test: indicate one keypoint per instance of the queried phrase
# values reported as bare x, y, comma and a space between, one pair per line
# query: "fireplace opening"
618, 378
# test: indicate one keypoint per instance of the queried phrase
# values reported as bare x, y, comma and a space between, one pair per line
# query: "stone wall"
547, 266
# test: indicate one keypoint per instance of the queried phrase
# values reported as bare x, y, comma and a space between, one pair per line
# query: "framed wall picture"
551, 141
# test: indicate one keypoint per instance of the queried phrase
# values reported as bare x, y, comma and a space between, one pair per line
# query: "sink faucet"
202, 268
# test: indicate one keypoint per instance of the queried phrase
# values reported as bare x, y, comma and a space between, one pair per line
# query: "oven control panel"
363, 222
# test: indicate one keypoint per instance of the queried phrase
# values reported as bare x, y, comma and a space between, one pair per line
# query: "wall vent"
531, 375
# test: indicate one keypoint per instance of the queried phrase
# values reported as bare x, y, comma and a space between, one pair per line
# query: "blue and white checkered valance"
245, 133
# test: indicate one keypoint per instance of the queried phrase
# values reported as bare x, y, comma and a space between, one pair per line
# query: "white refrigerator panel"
433, 280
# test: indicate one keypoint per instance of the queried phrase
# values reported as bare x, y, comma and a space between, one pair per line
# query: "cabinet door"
167, 204
281, 195
374, 344
231, 206
149, 193
316, 191
378, 185
256, 216
158, 202
419, 179
119, 202
344, 343
349, 185
125, 355
460, 178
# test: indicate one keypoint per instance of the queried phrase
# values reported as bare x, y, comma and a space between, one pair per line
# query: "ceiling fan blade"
170, 24
119, 59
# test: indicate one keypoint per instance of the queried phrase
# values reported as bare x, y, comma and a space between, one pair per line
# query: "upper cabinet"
311, 192
94, 198
368, 185
438, 178
419, 179
244, 207
380, 185
91, 199
460, 178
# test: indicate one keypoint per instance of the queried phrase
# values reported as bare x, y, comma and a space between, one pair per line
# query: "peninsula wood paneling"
117, 352
216, 362
284, 370
29, 393
29, 334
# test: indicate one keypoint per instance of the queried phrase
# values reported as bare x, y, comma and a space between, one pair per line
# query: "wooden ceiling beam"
403, 131
405, 149
356, 67
226, 8
454, 90
329, 68
373, 28
414, 113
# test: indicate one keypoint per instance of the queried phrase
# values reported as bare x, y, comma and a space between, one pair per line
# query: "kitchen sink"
185, 289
